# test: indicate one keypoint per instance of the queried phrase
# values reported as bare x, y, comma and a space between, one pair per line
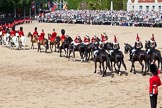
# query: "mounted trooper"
137, 46
152, 45
115, 46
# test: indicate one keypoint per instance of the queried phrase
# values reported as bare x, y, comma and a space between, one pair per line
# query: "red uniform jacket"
93, 40
35, 33
154, 83
21, 33
53, 36
103, 38
3, 32
13, 33
86, 40
77, 40
41, 37
62, 38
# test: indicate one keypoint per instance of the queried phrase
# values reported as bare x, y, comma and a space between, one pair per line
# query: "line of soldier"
104, 39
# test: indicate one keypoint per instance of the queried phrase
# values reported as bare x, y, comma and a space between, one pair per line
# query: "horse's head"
29, 34
58, 39
127, 48
68, 39
49, 35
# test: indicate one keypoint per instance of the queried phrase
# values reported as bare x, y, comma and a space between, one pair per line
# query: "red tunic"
103, 38
13, 33
41, 37
35, 33
21, 33
4, 32
77, 40
53, 36
86, 40
93, 40
62, 38
154, 83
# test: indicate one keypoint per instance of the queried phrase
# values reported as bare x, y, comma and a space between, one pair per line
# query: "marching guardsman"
53, 36
63, 37
152, 45
115, 47
154, 82
35, 33
41, 37
86, 40
137, 46
21, 33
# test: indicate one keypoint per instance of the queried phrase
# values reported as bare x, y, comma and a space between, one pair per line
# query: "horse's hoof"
119, 74
94, 71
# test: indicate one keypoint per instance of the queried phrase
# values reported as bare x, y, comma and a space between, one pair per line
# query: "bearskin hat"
35, 28
21, 28
62, 31
153, 69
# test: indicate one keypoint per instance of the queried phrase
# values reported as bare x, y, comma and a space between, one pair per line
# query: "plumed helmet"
62, 31
153, 69
137, 38
115, 40
152, 38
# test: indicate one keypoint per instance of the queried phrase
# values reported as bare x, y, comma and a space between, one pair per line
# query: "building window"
147, 8
140, 8
159, 8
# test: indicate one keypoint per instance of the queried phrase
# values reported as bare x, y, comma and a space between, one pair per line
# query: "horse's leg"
142, 66
104, 71
32, 46
95, 66
60, 51
81, 55
111, 65
100, 68
119, 72
50, 47
74, 54
67, 52
124, 64
38, 47
55, 47
132, 66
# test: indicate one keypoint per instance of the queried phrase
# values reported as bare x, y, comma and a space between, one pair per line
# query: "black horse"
138, 56
55, 42
102, 57
117, 57
81, 48
91, 48
153, 55
65, 45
